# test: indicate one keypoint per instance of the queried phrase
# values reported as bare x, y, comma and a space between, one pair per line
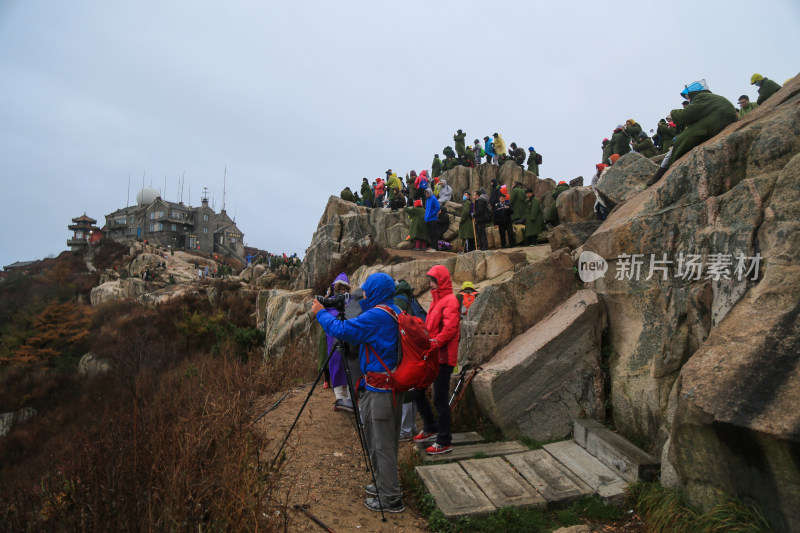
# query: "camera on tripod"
338, 302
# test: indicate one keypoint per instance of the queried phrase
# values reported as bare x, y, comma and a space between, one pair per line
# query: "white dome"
146, 196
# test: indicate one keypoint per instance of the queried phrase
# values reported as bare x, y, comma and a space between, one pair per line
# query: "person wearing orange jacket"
444, 326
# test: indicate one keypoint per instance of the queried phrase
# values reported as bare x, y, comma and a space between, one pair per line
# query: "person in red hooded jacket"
444, 327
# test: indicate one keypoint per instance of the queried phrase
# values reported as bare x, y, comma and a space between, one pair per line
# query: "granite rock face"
548, 376
576, 204
705, 354
572, 234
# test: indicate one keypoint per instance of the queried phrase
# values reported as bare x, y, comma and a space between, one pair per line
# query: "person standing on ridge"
533, 160
458, 138
534, 220
766, 87
432, 208
436, 166
443, 324
644, 145
466, 230
499, 146
517, 154
620, 141
417, 228
488, 149
477, 149
517, 203
482, 217
503, 219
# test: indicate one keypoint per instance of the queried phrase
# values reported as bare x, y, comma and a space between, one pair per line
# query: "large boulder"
728, 205
572, 234
544, 379
130, 288
505, 310
576, 204
290, 329
625, 179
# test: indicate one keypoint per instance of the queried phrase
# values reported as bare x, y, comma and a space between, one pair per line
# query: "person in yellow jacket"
499, 145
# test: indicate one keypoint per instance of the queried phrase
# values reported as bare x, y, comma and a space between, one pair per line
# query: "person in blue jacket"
380, 414
432, 208
488, 149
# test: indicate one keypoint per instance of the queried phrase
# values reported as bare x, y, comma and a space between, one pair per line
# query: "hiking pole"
304, 509
474, 233
459, 385
464, 388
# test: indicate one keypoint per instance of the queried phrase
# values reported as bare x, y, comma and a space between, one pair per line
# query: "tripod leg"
354, 398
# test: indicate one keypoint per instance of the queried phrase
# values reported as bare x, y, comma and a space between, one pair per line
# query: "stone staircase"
479, 477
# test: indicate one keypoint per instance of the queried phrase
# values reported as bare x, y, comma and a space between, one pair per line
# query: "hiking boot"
404, 437
437, 449
345, 404
371, 490
424, 436
393, 506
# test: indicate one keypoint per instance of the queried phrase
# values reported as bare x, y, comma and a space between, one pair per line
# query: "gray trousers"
381, 418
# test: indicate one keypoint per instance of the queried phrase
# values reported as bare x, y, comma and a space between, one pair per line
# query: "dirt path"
325, 467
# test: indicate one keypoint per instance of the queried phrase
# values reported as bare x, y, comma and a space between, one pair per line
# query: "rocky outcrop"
626, 178
572, 234
715, 344
548, 376
130, 288
576, 204
89, 365
290, 328
503, 311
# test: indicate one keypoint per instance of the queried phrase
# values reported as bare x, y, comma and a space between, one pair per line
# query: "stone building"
176, 226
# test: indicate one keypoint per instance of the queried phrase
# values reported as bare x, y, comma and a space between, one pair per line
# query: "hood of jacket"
379, 289
423, 174
442, 277
341, 278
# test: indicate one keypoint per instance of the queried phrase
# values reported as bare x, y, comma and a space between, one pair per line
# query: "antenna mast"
224, 177
128, 201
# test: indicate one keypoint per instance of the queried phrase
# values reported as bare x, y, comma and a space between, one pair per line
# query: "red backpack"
416, 368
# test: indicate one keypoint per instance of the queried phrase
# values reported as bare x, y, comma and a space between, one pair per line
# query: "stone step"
502, 485
598, 476
555, 482
454, 492
487, 449
459, 439
614, 451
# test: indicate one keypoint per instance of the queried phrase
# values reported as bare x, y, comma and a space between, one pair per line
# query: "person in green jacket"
417, 229
645, 145
620, 141
533, 166
552, 211
745, 106
366, 193
466, 231
518, 203
608, 150
766, 87
706, 115
469, 157
534, 220
458, 138
667, 130
632, 129
347, 195
436, 166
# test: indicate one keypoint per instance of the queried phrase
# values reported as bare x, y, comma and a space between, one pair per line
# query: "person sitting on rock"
766, 87
458, 139
393, 182
534, 220
632, 129
417, 229
488, 149
466, 229
517, 203
667, 130
608, 149
620, 142
745, 106
397, 201
468, 158
466, 296
436, 166
644, 145
445, 192
517, 154
706, 115
533, 160
347, 195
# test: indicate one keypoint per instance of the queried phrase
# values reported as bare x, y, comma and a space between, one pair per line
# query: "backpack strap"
391, 313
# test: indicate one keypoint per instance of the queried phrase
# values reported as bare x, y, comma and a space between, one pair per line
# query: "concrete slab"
459, 439
621, 456
555, 482
602, 479
454, 492
581, 427
501, 484
487, 449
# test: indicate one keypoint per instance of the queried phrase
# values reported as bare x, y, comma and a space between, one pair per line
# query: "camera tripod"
343, 350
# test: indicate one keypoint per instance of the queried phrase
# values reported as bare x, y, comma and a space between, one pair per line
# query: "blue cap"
531, 148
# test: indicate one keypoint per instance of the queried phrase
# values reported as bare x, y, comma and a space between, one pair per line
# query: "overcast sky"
300, 99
